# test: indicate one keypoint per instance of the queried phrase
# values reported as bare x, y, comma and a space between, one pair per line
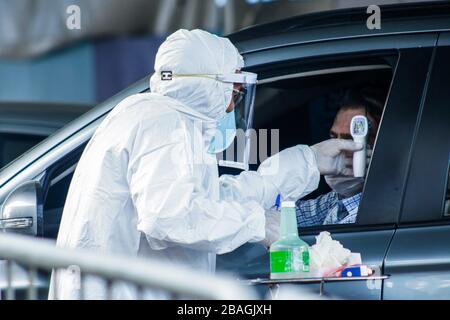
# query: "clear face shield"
232, 139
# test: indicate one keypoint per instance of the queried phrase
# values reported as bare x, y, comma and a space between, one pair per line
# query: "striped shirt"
327, 209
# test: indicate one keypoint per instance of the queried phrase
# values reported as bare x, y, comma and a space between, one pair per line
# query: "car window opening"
314, 106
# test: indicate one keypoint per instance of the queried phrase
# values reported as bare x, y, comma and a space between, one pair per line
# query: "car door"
381, 201
419, 257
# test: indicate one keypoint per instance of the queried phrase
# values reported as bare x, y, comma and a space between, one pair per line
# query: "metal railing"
178, 281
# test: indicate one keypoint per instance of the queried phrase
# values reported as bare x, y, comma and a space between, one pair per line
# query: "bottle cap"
288, 204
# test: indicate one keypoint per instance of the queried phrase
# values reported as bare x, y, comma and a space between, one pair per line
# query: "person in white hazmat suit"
138, 189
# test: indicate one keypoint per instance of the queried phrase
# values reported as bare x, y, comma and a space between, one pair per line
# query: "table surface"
312, 280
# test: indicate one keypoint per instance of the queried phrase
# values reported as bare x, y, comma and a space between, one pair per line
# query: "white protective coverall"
138, 189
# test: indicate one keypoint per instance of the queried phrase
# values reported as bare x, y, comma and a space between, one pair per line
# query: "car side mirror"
21, 212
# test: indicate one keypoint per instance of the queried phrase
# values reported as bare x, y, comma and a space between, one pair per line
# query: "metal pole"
166, 10
82, 288
140, 292
321, 290
211, 16
190, 14
149, 273
10, 293
109, 289
55, 283
32, 290
229, 19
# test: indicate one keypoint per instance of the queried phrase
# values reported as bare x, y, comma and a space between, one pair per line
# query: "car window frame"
425, 193
407, 46
388, 170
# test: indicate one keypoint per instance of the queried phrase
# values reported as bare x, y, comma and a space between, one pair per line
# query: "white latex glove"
272, 227
292, 171
330, 158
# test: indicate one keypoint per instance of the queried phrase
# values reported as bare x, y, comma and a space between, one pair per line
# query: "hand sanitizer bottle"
289, 256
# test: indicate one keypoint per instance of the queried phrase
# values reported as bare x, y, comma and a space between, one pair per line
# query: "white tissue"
328, 254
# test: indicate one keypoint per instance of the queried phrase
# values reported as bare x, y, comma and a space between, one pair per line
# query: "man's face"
341, 125
236, 86
349, 186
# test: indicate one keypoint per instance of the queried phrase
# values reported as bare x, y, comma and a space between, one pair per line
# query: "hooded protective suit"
143, 187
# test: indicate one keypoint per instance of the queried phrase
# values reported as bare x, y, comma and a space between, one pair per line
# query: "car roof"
38, 118
344, 23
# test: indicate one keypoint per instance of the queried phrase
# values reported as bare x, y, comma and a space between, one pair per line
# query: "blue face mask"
224, 135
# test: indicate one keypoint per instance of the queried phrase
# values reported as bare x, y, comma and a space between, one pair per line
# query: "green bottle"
289, 256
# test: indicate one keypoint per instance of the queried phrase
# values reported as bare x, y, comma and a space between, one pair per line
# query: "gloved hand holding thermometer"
330, 156
359, 128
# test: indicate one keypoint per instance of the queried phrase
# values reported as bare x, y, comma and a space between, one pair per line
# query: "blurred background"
43, 61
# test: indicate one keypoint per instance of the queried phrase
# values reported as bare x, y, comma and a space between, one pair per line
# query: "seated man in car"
341, 204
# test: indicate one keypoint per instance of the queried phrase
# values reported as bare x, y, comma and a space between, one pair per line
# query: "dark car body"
402, 228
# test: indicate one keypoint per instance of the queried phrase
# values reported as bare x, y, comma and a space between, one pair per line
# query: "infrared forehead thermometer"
359, 128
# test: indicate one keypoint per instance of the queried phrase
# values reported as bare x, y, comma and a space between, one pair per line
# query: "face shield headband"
232, 139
